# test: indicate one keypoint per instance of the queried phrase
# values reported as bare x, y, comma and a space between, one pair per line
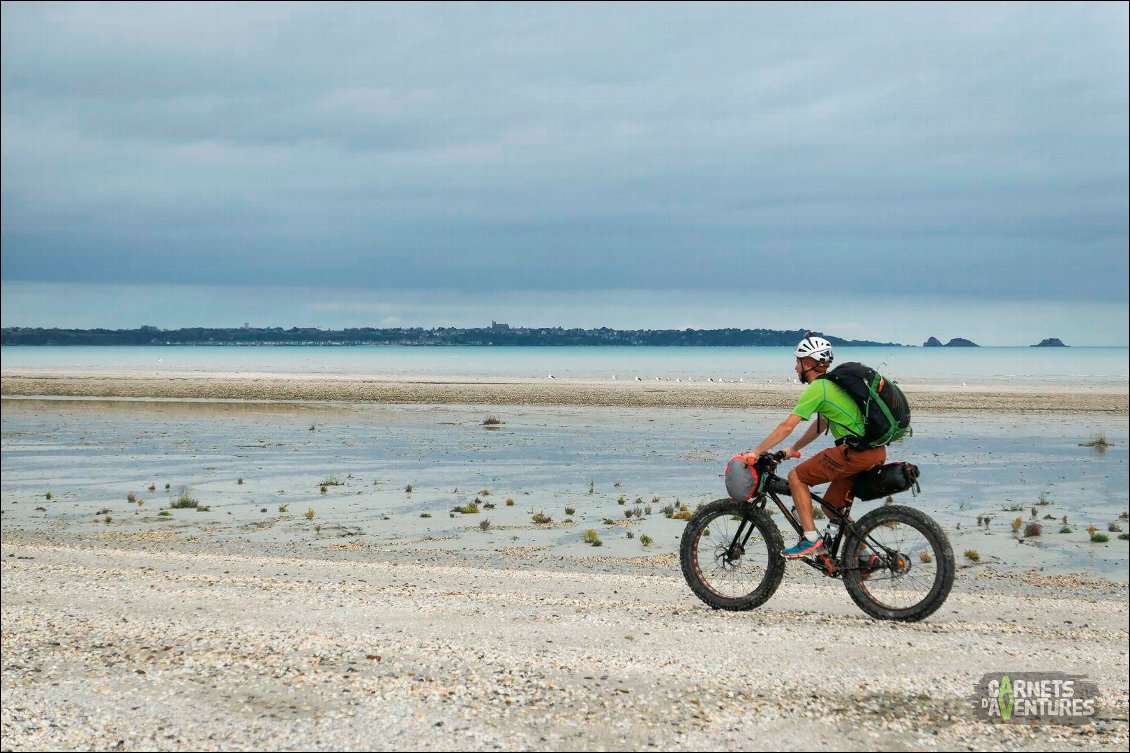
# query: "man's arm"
818, 427
783, 430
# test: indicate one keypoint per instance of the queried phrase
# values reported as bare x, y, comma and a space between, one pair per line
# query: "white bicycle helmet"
816, 348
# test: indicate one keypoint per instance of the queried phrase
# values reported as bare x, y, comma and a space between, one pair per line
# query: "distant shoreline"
516, 391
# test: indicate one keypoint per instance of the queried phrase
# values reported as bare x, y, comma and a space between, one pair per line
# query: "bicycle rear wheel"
900, 566
731, 555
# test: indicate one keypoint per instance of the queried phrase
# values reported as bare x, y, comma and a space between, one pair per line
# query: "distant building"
499, 326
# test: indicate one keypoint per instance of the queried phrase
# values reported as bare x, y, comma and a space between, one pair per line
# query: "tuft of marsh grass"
1114, 527
331, 481
108, 519
1045, 500
972, 555
164, 514
408, 489
239, 481
1065, 529
168, 486
1017, 523
570, 510
645, 540
48, 496
131, 498
282, 508
1100, 538
1033, 529
1124, 537
425, 515
152, 487
622, 501
492, 421
925, 556
484, 492
590, 536
309, 513
1097, 441
510, 502
541, 518
484, 525
317, 528
468, 509
184, 503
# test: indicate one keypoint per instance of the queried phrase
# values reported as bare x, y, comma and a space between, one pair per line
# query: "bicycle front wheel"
900, 566
731, 555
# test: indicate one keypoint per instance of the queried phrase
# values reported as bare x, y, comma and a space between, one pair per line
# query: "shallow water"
1074, 368
91, 454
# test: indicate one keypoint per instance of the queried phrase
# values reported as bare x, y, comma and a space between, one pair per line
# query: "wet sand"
306, 387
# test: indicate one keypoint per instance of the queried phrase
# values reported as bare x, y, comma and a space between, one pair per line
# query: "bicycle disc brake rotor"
731, 555
898, 563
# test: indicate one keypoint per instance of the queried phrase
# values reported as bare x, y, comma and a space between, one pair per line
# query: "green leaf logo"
1006, 698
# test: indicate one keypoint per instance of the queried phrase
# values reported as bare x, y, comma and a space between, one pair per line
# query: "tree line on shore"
494, 335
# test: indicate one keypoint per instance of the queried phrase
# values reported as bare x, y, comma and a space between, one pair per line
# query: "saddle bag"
885, 480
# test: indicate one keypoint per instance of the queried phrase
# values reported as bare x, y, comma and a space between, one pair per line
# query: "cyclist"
836, 410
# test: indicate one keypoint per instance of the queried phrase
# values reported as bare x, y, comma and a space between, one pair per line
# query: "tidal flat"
365, 480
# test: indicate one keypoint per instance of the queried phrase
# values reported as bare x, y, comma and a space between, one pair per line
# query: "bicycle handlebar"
772, 457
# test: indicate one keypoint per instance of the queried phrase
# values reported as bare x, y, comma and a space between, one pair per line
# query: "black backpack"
886, 414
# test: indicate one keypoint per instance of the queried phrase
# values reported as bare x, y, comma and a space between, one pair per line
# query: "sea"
1103, 368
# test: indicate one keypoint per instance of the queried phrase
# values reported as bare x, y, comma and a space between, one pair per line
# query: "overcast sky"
956, 155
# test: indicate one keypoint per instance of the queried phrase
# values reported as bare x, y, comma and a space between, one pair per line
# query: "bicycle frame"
828, 562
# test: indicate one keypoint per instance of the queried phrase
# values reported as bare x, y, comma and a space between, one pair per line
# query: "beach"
523, 391
323, 594
107, 648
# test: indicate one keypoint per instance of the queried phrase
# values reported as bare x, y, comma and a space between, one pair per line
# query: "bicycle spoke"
729, 567
908, 569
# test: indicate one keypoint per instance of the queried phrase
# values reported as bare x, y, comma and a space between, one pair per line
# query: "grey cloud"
560, 145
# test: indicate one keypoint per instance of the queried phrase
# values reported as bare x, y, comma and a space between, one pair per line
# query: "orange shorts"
838, 465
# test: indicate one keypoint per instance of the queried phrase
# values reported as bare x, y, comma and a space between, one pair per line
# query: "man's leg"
854, 461
802, 501
819, 469
836, 465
